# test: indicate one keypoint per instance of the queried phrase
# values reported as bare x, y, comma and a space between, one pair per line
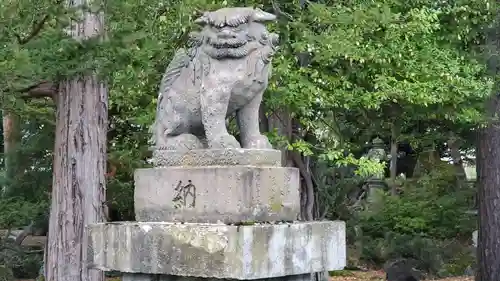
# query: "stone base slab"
217, 250
156, 277
217, 157
212, 194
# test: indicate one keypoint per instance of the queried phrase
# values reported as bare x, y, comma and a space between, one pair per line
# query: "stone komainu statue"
225, 71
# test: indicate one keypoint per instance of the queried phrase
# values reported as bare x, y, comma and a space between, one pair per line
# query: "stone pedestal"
217, 214
149, 277
376, 188
200, 186
217, 250
217, 157
229, 194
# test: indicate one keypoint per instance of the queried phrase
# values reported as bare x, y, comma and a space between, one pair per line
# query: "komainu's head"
235, 32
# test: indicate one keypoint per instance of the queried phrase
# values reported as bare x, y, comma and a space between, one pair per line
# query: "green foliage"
441, 258
428, 208
354, 68
462, 259
16, 212
19, 261
25, 264
6, 273
428, 223
335, 193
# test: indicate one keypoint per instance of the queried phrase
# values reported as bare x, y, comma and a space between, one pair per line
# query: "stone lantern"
376, 153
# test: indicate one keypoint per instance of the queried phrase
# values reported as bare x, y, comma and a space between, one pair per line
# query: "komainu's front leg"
214, 104
165, 136
248, 121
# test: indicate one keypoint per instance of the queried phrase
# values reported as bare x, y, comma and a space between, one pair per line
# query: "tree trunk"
281, 121
394, 157
78, 192
488, 167
456, 156
11, 140
488, 251
306, 187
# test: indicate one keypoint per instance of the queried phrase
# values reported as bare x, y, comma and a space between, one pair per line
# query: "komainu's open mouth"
223, 43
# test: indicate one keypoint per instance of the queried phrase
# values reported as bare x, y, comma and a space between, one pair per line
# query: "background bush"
428, 223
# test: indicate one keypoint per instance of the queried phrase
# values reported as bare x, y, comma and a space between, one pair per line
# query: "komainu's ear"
261, 16
203, 20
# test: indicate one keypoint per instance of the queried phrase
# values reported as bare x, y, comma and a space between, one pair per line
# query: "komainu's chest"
241, 79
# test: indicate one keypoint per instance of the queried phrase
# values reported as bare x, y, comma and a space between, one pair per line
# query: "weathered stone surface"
157, 277
218, 251
217, 157
474, 238
229, 194
225, 71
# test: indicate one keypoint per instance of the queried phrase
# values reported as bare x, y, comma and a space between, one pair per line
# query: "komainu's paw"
258, 142
181, 142
223, 141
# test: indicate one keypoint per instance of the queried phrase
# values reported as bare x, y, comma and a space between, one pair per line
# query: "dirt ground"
107, 279
380, 276
353, 276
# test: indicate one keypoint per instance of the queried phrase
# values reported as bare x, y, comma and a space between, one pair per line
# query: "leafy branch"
37, 27
39, 90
